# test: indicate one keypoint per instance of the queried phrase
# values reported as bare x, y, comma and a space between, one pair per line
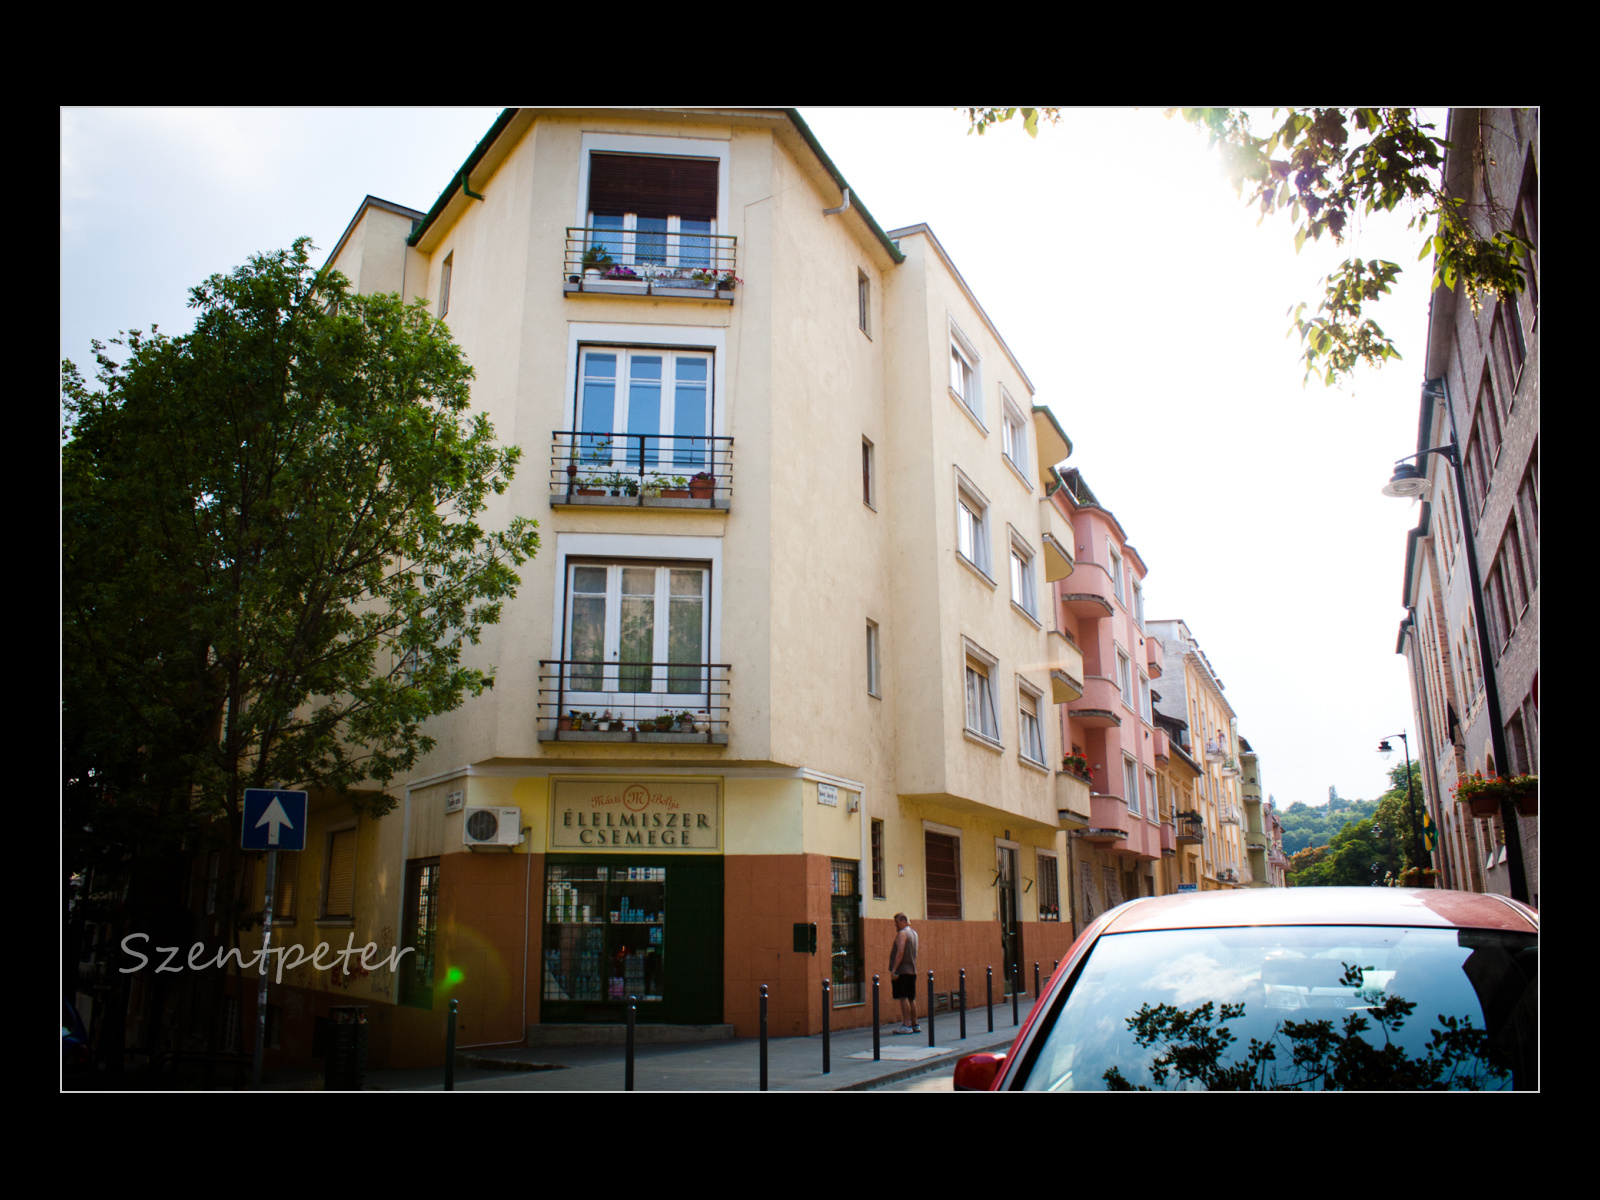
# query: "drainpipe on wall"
834, 212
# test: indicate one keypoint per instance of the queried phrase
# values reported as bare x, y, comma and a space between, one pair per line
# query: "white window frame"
1125, 676
617, 459
1014, 436
1138, 603
1144, 699
970, 395
1026, 693
1047, 861
610, 693
1114, 569
1130, 784
655, 147
869, 473
874, 680
1024, 586
445, 270
864, 302
978, 669
1154, 796
972, 526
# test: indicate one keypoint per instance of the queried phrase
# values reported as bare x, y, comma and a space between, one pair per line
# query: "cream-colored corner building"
1212, 856
784, 658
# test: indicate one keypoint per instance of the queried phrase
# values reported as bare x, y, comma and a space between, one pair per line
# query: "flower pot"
702, 487
702, 721
591, 491
564, 724
1484, 804
1528, 804
675, 493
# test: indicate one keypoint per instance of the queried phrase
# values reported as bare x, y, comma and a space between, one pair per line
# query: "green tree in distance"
1326, 167
272, 557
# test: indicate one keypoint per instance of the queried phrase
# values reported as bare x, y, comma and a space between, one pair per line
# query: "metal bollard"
930, 1008
627, 1076
990, 986
827, 1027
1035, 979
963, 1004
763, 1037
876, 1022
450, 1050
1016, 982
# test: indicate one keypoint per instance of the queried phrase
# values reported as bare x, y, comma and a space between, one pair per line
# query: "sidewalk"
793, 1064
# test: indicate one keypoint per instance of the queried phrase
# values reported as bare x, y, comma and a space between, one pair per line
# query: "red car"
1300, 988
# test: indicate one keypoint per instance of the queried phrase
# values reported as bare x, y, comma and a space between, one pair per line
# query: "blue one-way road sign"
273, 820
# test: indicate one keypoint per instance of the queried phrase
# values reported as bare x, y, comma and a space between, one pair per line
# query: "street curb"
927, 1065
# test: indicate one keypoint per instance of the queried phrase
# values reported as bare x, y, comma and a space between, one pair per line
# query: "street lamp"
1410, 480
1411, 799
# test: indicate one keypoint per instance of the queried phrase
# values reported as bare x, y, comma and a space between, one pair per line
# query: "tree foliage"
1376, 848
272, 556
1327, 167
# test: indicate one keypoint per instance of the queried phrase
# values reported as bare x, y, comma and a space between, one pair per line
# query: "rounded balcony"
1089, 595
1108, 821
1154, 656
1100, 706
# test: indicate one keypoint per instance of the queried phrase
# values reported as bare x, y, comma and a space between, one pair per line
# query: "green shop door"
632, 926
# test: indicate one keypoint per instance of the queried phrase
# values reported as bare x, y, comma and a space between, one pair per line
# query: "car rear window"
1308, 1007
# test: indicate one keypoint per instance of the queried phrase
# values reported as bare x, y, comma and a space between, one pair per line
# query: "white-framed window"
1114, 561
444, 283
1130, 783
1030, 739
1144, 698
1023, 590
972, 525
1049, 887
981, 708
1014, 435
1138, 604
1124, 678
653, 201
869, 481
864, 302
636, 630
874, 688
966, 383
1152, 795
644, 407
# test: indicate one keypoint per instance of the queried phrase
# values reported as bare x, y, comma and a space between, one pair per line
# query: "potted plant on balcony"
674, 487
595, 261
665, 722
1076, 765
727, 281
702, 721
1525, 794
621, 274
591, 485
702, 486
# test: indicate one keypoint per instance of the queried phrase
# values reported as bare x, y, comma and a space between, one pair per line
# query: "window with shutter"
339, 879
943, 860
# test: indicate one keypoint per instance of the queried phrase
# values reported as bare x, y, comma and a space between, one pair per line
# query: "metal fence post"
827, 1024
1016, 986
450, 1049
627, 1079
990, 986
930, 1008
963, 1004
877, 1022
763, 1037
1035, 979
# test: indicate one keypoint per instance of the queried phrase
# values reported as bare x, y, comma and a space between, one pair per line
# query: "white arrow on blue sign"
274, 819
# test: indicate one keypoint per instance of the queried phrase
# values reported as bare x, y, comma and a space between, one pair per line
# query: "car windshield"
1304, 1007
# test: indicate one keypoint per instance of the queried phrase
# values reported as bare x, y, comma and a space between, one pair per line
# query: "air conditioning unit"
493, 827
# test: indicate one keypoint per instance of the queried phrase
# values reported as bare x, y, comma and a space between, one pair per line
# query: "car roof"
1323, 906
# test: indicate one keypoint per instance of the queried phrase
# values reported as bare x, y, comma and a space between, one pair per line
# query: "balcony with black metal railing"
653, 263
1191, 829
640, 470
653, 702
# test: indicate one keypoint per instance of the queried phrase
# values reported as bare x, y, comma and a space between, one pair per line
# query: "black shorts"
905, 987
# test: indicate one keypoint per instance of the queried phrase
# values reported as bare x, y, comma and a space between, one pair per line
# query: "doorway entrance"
1010, 926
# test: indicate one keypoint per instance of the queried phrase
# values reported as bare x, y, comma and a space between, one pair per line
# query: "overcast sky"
1136, 290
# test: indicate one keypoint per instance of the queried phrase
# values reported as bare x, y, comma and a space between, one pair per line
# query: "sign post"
274, 819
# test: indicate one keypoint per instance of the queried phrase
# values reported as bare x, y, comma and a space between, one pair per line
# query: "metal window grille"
846, 912
877, 861
421, 923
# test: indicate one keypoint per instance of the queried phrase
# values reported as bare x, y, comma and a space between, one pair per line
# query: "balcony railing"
651, 470
688, 266
1191, 829
633, 702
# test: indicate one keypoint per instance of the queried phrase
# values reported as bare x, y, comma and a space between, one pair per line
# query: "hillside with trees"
1373, 841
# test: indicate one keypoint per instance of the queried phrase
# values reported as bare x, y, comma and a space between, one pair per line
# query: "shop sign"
650, 816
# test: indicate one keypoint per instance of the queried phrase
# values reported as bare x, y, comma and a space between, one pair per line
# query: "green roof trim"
855, 199
1051, 417
459, 179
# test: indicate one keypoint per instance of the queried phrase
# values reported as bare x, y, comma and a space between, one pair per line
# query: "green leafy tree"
1326, 167
272, 558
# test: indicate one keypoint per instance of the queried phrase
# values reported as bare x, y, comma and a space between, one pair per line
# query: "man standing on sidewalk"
903, 969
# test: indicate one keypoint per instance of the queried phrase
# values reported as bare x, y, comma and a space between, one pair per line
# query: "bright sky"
1133, 286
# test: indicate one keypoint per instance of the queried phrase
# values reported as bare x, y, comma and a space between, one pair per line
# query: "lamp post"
1417, 850
1410, 480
